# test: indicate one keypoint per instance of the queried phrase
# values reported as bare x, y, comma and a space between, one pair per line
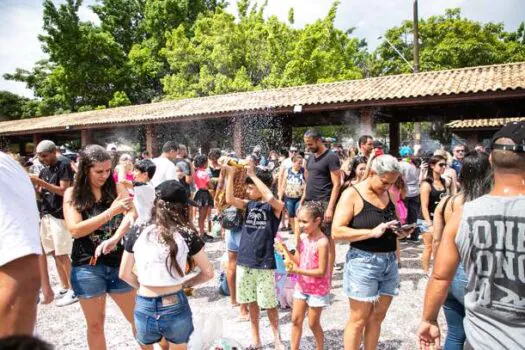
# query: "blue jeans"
455, 311
167, 316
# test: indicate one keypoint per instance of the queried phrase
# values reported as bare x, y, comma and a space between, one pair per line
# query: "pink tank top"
309, 260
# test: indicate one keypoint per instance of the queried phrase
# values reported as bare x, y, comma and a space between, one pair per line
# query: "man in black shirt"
53, 180
323, 181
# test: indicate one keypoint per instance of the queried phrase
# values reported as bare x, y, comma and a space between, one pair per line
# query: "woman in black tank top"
94, 211
366, 217
432, 189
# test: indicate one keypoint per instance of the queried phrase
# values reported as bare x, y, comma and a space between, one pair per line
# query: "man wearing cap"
53, 180
488, 237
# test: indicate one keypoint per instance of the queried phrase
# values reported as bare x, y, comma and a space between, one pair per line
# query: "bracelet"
108, 215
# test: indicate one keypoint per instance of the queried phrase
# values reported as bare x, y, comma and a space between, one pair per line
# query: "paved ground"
65, 328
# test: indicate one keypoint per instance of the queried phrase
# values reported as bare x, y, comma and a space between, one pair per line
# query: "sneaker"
60, 294
68, 299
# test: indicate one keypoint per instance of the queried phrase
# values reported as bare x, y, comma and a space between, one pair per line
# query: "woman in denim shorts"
366, 217
93, 212
155, 262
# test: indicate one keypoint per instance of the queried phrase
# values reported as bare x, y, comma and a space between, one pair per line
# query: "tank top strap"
359, 193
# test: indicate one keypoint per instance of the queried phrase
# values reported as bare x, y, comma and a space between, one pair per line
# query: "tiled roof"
385, 90
482, 123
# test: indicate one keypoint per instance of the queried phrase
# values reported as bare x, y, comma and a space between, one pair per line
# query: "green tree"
448, 41
119, 99
11, 105
226, 55
85, 64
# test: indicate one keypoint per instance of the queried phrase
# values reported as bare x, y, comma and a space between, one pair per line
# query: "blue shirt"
257, 236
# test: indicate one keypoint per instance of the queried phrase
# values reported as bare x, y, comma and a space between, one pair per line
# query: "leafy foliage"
147, 50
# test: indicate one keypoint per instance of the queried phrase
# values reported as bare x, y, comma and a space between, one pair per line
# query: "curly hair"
83, 197
314, 209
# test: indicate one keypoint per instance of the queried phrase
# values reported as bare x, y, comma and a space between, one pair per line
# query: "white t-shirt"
165, 171
143, 199
19, 217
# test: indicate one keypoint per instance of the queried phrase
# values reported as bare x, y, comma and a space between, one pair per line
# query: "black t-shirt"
191, 238
319, 182
257, 236
51, 202
84, 247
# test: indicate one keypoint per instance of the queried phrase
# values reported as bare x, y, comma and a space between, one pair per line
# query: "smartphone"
408, 227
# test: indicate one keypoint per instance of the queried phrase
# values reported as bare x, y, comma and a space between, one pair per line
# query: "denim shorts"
233, 240
292, 204
92, 281
313, 300
167, 316
368, 275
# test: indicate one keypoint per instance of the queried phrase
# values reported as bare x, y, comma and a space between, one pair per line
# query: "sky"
21, 22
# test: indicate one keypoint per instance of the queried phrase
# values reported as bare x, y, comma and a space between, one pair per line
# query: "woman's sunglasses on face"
441, 165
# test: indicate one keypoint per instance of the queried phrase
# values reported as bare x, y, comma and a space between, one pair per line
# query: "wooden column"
151, 140
366, 120
36, 140
395, 138
237, 136
86, 137
286, 126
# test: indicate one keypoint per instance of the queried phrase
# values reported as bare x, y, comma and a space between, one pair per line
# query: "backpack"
231, 218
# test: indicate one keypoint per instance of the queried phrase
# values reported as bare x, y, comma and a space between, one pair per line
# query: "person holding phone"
94, 210
365, 216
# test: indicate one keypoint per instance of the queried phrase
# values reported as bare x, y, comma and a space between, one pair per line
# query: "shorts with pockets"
256, 285
168, 316
54, 236
313, 300
89, 281
292, 204
369, 275
233, 240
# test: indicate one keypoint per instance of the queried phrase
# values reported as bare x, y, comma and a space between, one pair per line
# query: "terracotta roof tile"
482, 123
386, 88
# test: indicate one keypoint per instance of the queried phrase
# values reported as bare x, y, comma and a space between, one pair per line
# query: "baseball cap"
46, 146
514, 131
174, 192
377, 144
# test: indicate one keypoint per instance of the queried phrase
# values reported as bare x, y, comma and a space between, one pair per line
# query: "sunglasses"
442, 165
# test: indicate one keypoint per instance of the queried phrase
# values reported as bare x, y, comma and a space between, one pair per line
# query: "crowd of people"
136, 228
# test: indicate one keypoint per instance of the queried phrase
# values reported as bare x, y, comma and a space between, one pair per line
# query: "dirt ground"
65, 327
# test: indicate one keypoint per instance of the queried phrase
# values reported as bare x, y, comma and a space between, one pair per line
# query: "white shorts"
55, 236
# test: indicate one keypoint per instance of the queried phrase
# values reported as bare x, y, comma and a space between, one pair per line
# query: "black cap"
514, 131
174, 192
377, 144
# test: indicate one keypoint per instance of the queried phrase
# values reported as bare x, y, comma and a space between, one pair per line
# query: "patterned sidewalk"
65, 327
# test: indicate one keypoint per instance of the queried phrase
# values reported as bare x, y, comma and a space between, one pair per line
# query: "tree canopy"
146, 50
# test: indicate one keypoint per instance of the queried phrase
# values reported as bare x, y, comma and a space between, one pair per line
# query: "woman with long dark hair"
94, 211
432, 189
357, 170
159, 251
476, 181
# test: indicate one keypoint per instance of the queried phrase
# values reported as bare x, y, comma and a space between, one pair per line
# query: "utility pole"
416, 39
417, 125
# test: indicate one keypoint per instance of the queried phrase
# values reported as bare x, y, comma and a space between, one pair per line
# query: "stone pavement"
65, 327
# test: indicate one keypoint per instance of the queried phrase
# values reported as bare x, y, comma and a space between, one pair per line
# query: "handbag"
231, 218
